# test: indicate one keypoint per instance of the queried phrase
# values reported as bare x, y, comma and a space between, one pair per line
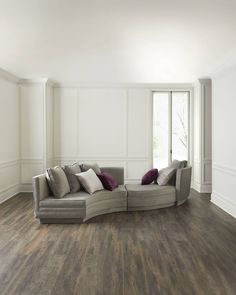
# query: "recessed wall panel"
102, 123
138, 122
65, 122
32, 122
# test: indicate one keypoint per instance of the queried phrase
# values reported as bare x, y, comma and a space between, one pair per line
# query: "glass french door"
170, 127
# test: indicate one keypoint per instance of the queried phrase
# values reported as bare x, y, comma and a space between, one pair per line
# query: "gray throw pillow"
165, 175
58, 182
90, 181
86, 167
70, 171
178, 164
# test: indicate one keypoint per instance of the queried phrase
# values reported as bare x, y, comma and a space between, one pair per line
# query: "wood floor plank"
190, 249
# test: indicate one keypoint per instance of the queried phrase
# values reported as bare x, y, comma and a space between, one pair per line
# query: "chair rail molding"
9, 163
224, 168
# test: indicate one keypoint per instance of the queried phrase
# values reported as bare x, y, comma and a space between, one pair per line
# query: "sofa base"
104, 211
60, 220
153, 207
178, 203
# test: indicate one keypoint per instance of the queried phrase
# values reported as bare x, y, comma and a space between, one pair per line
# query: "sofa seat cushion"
119, 192
76, 200
152, 196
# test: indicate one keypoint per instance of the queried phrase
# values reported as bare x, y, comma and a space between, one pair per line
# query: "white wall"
32, 128
49, 125
9, 131
224, 138
112, 126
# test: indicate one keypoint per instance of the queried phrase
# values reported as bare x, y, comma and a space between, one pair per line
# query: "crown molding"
8, 76
205, 80
200, 81
44, 81
33, 81
50, 82
151, 86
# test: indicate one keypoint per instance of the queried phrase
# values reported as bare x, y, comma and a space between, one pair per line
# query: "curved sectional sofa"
81, 206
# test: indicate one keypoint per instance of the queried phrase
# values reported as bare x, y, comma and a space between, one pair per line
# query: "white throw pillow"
90, 182
165, 175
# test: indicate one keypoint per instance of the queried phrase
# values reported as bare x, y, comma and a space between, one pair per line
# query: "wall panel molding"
98, 158
5, 164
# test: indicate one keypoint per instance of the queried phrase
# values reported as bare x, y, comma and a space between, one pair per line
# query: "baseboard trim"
202, 188
9, 192
224, 203
26, 188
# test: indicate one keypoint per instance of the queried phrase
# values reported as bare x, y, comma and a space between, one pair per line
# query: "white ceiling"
129, 41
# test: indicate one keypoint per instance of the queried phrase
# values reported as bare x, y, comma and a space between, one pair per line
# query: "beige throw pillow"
165, 175
90, 182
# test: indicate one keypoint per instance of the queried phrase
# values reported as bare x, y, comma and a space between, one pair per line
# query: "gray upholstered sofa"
81, 206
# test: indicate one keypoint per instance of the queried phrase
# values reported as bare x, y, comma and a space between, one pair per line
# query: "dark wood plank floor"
189, 249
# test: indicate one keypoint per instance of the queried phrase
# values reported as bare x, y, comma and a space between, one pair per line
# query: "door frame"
189, 145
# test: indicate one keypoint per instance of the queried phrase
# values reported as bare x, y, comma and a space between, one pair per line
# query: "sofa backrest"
116, 172
41, 189
183, 184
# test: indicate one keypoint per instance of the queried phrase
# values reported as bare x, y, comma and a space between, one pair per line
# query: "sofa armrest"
116, 172
40, 190
183, 184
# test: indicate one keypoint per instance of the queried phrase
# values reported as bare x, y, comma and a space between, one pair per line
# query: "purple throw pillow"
108, 181
150, 176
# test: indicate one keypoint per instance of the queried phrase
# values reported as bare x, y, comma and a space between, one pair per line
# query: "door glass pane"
180, 125
160, 130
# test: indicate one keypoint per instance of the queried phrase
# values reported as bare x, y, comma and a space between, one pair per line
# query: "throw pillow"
86, 167
178, 164
70, 171
149, 177
90, 182
57, 181
165, 175
108, 181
